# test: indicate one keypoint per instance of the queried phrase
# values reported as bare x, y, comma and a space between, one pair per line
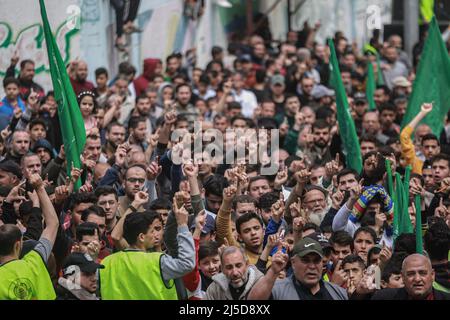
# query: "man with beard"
236, 279
360, 107
306, 86
320, 151
346, 179
388, 114
314, 203
79, 280
142, 110
20, 144
392, 67
115, 136
79, 73
183, 103
44, 150
134, 181
27, 73
137, 128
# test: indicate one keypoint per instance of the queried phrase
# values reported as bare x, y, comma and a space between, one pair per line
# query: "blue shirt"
8, 110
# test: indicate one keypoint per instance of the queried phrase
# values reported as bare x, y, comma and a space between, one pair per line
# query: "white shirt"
248, 101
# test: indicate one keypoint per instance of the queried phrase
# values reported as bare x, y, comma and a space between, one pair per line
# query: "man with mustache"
320, 152
236, 279
418, 276
306, 282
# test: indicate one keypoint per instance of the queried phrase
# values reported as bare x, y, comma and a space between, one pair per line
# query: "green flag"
380, 79
72, 124
432, 82
419, 242
346, 124
370, 86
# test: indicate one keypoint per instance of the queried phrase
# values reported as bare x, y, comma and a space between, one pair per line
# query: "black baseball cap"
321, 239
11, 167
83, 261
360, 97
307, 246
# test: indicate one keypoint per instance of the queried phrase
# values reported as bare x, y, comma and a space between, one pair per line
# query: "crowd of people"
143, 226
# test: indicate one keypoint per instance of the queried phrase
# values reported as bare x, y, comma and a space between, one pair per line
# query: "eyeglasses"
134, 180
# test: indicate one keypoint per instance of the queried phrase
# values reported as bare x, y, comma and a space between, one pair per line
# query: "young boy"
11, 102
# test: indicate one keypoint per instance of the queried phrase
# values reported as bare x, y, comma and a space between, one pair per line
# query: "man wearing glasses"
134, 181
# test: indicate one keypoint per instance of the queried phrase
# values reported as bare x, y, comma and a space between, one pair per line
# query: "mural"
30, 44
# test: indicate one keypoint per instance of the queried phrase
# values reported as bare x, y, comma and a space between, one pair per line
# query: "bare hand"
181, 214
140, 199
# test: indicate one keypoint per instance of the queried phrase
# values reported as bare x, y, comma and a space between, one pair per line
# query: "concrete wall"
21, 31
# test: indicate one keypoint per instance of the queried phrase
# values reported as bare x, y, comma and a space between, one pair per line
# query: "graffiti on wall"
30, 44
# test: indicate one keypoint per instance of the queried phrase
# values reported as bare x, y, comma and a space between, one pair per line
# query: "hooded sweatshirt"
141, 83
220, 288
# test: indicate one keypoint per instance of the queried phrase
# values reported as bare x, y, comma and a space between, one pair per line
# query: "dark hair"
352, 258
440, 156
86, 229
88, 94
310, 225
392, 267
235, 105
204, 79
387, 106
368, 230
244, 198
437, 240
181, 85
385, 89
345, 172
137, 223
23, 63
36, 122
80, 197
101, 71
142, 96
113, 124
7, 81
160, 203
98, 211
134, 122
323, 113
9, 235
260, 75
320, 124
215, 184
368, 138
106, 190
257, 178
246, 217
405, 243
341, 238
181, 118
208, 249
429, 136
266, 201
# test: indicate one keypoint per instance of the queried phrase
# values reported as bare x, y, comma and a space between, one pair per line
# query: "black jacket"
401, 294
64, 294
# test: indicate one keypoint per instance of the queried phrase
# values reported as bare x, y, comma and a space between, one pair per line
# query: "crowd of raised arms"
133, 223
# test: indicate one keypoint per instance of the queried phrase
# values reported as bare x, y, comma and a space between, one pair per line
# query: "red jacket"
141, 83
